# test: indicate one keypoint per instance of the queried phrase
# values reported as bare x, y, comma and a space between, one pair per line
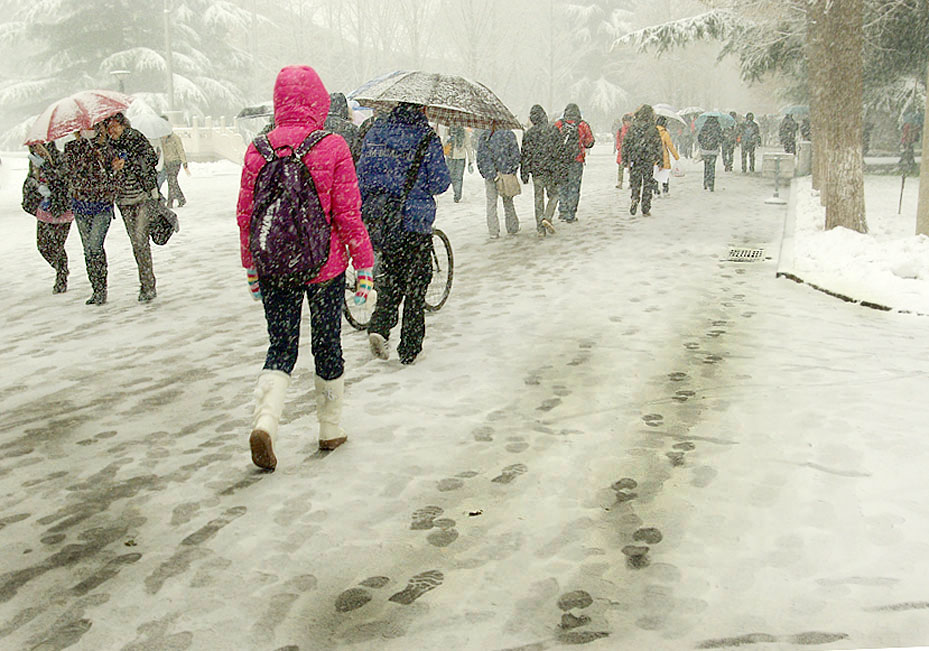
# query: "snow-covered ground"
614, 437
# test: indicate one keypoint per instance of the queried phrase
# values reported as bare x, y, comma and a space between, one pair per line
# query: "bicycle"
443, 267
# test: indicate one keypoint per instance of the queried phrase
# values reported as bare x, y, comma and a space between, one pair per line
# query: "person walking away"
53, 214
750, 139
709, 139
92, 187
339, 121
642, 151
618, 148
667, 150
788, 134
172, 149
402, 155
134, 164
540, 144
576, 138
730, 134
301, 177
458, 153
498, 153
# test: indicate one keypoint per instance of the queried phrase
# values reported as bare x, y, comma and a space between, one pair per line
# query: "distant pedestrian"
709, 139
540, 144
53, 213
92, 188
134, 165
576, 139
788, 134
749, 140
618, 148
338, 121
398, 147
642, 152
667, 150
172, 150
497, 154
730, 136
459, 152
300, 106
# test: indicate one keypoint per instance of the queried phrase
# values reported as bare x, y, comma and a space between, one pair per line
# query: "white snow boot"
269, 403
329, 412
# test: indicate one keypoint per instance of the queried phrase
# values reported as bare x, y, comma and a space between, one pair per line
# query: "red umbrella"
76, 112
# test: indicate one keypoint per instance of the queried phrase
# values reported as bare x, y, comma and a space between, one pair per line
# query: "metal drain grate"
737, 254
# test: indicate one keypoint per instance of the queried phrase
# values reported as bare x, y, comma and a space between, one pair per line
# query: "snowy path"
617, 386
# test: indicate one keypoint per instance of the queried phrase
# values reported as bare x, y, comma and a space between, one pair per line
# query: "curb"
785, 262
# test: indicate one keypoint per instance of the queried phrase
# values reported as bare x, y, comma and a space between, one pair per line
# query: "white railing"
209, 140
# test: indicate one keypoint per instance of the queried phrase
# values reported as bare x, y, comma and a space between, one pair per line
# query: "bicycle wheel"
358, 316
443, 267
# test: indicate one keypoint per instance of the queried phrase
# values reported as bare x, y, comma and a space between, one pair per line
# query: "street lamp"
120, 75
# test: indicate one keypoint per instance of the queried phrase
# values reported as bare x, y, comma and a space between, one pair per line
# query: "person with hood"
730, 138
618, 148
391, 147
576, 138
339, 121
92, 188
172, 150
788, 134
749, 139
53, 214
540, 143
498, 153
300, 106
667, 150
134, 165
709, 139
458, 153
642, 151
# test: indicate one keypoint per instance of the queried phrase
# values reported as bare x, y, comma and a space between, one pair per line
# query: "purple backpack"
289, 232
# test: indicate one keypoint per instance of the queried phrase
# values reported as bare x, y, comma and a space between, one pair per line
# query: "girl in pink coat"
301, 104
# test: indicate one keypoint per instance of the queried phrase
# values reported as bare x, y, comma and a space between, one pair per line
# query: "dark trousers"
93, 230
136, 218
172, 168
570, 192
748, 153
283, 304
406, 271
50, 240
641, 180
456, 167
728, 155
709, 172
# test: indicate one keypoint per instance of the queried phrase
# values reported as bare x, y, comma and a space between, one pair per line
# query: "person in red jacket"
618, 147
301, 103
576, 139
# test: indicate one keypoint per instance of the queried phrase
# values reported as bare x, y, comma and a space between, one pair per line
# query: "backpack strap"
309, 142
263, 145
418, 158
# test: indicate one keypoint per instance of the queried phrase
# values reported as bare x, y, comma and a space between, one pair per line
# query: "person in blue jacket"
498, 153
405, 270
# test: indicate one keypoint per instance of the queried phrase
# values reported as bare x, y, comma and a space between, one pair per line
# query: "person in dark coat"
338, 121
709, 139
405, 270
53, 214
92, 188
749, 139
730, 137
498, 153
134, 165
540, 143
642, 151
788, 134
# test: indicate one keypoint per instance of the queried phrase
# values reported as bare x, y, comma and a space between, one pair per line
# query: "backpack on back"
569, 145
289, 233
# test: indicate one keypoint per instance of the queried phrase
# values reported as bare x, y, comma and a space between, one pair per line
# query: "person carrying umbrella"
709, 139
172, 149
642, 151
53, 214
749, 138
391, 148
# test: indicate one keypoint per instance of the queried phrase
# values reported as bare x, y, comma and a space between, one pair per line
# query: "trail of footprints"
416, 587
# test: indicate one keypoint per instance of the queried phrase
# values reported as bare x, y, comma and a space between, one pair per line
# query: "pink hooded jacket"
301, 103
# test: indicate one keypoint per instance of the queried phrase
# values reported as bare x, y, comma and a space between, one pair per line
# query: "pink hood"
301, 103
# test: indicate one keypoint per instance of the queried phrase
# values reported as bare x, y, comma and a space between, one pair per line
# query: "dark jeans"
406, 272
641, 180
570, 192
728, 155
136, 218
172, 168
456, 167
93, 229
50, 240
709, 172
283, 305
749, 154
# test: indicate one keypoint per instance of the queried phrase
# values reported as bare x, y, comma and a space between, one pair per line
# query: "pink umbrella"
76, 112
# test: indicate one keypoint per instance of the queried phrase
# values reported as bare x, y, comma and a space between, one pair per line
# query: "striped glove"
253, 285
364, 283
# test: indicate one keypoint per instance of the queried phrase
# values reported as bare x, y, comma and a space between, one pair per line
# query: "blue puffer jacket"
497, 152
386, 156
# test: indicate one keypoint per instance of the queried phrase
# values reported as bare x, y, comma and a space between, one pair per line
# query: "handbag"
162, 222
31, 195
507, 185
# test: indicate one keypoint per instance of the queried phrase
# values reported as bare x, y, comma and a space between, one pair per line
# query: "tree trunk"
816, 55
842, 31
922, 212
